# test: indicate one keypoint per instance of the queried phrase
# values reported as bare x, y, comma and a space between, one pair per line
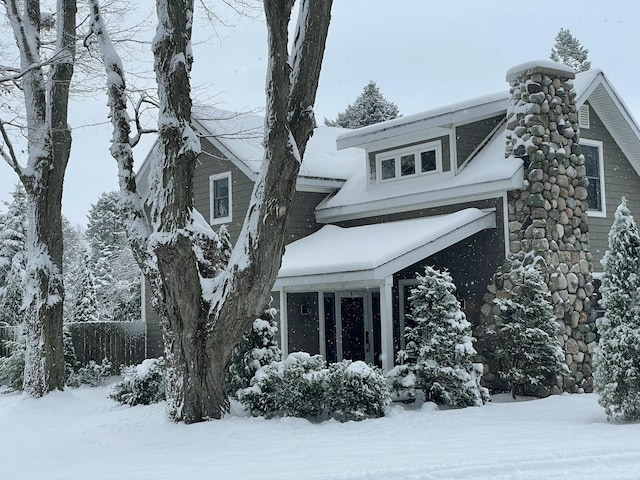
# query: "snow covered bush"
302, 386
141, 384
70, 358
289, 388
257, 348
617, 358
355, 391
439, 346
93, 374
12, 367
524, 338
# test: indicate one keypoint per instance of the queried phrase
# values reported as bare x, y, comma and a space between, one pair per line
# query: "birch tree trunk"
206, 304
46, 94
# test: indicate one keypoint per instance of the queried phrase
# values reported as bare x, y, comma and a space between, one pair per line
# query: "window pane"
591, 160
594, 194
221, 198
428, 161
388, 168
407, 165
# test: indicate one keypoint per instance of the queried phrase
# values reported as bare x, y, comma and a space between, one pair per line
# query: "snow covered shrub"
12, 367
141, 384
293, 387
355, 391
439, 349
92, 374
256, 349
617, 358
402, 380
524, 338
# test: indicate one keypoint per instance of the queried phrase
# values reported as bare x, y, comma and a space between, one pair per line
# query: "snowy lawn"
80, 434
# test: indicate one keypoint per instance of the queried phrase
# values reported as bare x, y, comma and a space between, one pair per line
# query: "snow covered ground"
80, 434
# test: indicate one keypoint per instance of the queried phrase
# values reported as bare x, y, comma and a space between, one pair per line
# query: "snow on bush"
141, 384
302, 386
12, 367
93, 374
256, 349
438, 356
617, 358
355, 391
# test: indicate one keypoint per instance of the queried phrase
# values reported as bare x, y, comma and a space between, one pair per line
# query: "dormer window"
409, 162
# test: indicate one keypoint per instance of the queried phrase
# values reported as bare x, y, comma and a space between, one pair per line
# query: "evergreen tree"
86, 307
12, 258
529, 354
569, 51
369, 108
617, 360
117, 276
440, 344
257, 348
13, 233
75, 256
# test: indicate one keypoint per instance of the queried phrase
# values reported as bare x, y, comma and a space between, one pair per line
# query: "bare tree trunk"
49, 146
205, 314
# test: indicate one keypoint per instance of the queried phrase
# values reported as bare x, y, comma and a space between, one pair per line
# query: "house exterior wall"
471, 135
620, 180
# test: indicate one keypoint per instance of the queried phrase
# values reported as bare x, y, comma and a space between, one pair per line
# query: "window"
409, 162
594, 166
220, 195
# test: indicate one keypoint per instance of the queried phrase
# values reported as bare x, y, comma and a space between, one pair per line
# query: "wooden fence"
123, 343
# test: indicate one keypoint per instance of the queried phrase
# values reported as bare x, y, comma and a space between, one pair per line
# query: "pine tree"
75, 256
440, 344
617, 360
529, 354
117, 276
86, 307
369, 108
13, 259
569, 51
257, 348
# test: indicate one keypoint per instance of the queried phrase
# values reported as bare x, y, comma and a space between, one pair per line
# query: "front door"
354, 320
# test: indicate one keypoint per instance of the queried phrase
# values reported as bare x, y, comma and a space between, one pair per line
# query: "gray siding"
469, 136
212, 163
620, 180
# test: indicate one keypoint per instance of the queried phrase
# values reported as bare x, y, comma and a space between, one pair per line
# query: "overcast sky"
422, 55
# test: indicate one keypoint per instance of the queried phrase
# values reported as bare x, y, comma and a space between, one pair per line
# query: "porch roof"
368, 254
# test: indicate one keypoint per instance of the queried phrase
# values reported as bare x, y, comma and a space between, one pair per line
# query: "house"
375, 205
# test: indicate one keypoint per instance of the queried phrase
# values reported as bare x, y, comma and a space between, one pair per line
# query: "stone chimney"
548, 216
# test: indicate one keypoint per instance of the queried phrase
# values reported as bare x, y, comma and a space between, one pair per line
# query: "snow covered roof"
461, 112
239, 136
488, 173
370, 253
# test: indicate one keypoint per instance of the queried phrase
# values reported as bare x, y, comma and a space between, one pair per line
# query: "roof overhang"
367, 255
432, 121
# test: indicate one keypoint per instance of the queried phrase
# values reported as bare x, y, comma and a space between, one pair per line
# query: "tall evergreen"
440, 344
86, 307
617, 360
369, 108
525, 339
569, 50
117, 276
12, 258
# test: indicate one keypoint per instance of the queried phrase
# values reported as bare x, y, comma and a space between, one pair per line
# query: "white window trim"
228, 218
416, 150
603, 200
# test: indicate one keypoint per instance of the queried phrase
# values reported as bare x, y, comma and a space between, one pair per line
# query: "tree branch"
131, 203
